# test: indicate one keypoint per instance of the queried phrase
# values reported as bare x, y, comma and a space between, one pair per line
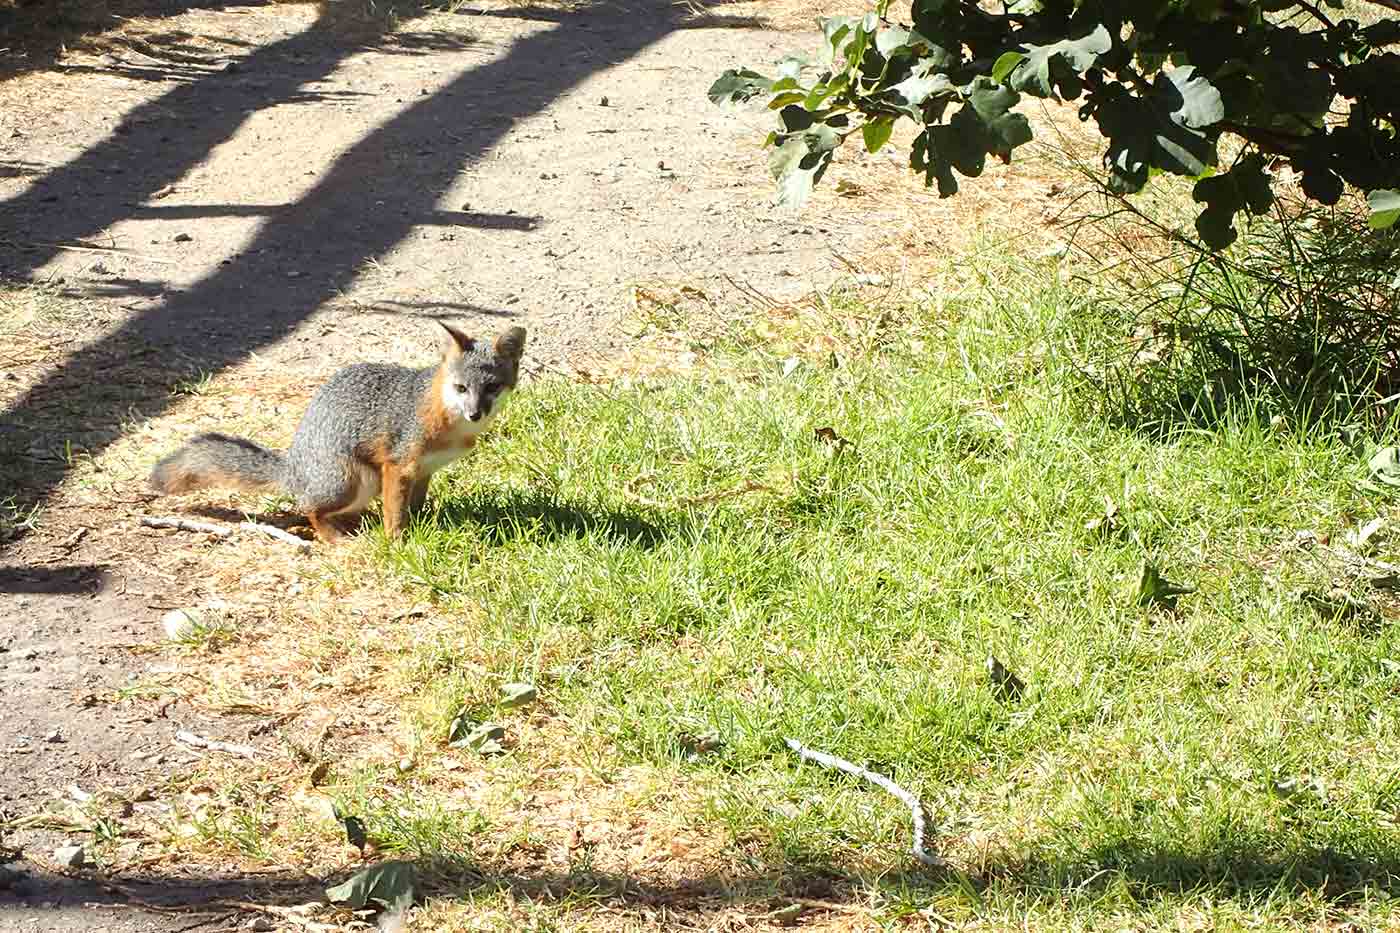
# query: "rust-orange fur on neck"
438, 422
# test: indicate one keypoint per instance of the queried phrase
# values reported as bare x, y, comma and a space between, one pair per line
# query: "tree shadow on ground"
72, 579
1245, 869
32, 893
329, 232
36, 34
1249, 873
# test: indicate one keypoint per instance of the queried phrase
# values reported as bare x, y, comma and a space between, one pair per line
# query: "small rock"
178, 624
262, 924
70, 856
183, 238
54, 738
601, 103
293, 274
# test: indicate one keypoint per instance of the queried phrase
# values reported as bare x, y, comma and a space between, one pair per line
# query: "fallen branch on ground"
285, 537
916, 809
224, 531
90, 248
185, 524
199, 741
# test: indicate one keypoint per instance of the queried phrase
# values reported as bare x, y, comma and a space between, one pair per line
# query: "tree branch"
1317, 14
1274, 141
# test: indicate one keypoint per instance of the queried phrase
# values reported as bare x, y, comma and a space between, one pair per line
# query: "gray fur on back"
361, 404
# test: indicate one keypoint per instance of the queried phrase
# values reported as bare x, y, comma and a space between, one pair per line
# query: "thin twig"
285, 537
85, 248
916, 809
747, 486
224, 531
199, 741
186, 524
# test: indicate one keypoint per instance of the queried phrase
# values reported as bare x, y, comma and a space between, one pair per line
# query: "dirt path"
282, 195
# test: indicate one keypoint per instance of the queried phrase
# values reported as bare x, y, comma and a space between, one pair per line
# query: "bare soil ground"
208, 211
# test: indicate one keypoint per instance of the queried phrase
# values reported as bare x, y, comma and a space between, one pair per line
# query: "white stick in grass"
916, 809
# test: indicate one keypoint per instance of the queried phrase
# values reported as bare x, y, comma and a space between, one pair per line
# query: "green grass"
1235, 760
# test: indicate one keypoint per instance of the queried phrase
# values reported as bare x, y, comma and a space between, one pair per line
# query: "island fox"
372, 429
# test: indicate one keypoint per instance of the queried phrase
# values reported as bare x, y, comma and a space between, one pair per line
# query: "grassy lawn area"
821, 531
689, 574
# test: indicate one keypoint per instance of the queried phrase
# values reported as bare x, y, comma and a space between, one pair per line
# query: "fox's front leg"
398, 487
418, 495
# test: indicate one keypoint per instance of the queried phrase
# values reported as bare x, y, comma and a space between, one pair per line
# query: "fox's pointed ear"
456, 342
511, 343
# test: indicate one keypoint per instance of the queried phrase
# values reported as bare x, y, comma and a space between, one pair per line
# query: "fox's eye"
461, 389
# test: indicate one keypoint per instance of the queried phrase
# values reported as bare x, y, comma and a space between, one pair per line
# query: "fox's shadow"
501, 515
504, 515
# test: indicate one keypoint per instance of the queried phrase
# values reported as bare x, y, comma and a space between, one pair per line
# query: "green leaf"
1192, 100
518, 694
485, 738
923, 82
1385, 466
892, 40
736, 87
466, 732
877, 132
1385, 207
992, 103
1169, 129
1059, 63
800, 161
1244, 187
926, 157
795, 119
1005, 64
790, 68
1157, 590
1322, 185
388, 883
816, 96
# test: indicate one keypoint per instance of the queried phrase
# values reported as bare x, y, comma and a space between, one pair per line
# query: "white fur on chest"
463, 433
456, 445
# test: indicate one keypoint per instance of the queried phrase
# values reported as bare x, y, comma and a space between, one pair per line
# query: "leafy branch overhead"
1162, 79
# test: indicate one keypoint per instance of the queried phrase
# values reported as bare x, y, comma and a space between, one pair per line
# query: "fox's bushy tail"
220, 461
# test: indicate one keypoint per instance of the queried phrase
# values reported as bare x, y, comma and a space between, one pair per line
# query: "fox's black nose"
476, 415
